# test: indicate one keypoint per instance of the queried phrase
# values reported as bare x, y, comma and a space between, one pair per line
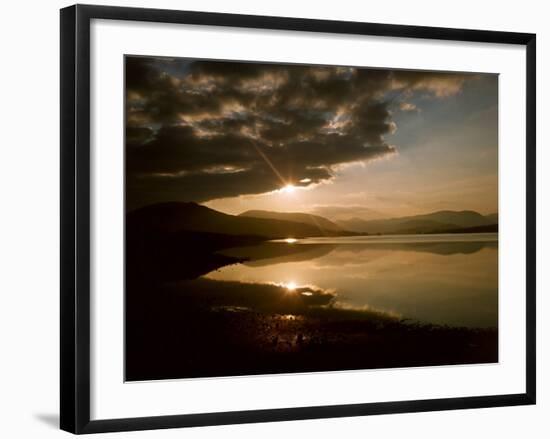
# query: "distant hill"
437, 221
168, 218
321, 224
492, 217
337, 213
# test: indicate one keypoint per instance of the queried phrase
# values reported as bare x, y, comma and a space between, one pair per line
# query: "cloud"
408, 106
200, 130
440, 84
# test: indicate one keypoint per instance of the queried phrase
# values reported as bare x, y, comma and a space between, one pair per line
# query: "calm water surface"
443, 279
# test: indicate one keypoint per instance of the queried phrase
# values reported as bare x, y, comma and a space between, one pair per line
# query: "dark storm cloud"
204, 130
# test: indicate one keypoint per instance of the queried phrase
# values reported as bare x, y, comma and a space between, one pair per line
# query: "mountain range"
174, 217
159, 237
177, 217
441, 221
322, 224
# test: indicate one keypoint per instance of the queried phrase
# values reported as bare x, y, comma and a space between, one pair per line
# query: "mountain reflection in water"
450, 283
314, 305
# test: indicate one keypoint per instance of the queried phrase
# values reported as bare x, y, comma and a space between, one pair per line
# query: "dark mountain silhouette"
445, 220
176, 217
323, 225
182, 240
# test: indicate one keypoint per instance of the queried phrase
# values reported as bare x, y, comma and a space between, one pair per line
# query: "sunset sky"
337, 141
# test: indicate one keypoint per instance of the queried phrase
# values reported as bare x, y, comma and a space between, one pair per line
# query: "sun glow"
288, 189
291, 286
290, 240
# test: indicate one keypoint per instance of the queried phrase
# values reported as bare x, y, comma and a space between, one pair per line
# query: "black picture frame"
75, 217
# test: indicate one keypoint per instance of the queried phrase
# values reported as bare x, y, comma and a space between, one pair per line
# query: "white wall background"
29, 250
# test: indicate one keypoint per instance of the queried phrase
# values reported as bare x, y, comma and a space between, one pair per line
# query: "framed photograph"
267, 219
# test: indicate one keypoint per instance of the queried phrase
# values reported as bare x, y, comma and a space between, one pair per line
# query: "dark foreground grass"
205, 328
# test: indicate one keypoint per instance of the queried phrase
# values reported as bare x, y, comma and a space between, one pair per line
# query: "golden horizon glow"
290, 240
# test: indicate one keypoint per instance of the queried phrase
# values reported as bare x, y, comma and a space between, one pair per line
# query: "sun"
288, 189
291, 286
